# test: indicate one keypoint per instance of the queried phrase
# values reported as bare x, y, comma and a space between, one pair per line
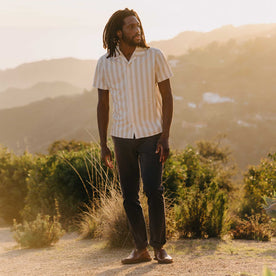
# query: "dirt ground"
72, 256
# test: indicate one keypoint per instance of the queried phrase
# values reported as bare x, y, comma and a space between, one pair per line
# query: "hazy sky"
43, 29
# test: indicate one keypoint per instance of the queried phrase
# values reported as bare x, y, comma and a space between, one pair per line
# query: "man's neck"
127, 50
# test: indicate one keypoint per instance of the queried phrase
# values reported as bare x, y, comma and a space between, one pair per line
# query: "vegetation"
197, 180
201, 200
251, 221
254, 227
41, 232
270, 205
242, 72
107, 220
14, 171
74, 178
267, 272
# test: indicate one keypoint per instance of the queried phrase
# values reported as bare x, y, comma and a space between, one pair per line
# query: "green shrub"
64, 145
200, 212
174, 175
41, 232
202, 195
73, 178
203, 164
270, 205
14, 171
254, 227
259, 181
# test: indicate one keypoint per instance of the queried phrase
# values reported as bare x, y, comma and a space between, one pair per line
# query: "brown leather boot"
137, 256
162, 257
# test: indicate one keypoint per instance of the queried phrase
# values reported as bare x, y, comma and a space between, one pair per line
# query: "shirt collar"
139, 51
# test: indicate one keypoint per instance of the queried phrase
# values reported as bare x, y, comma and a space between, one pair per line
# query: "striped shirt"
137, 102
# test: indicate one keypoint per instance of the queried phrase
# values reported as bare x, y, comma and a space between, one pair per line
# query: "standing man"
132, 72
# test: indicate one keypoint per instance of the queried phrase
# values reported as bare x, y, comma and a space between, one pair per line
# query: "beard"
130, 41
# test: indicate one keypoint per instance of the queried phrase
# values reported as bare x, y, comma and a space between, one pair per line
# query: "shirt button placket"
130, 100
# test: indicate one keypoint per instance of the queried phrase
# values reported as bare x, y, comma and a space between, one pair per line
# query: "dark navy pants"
137, 157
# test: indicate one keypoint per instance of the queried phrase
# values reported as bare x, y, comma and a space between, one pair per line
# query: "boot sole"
164, 261
136, 261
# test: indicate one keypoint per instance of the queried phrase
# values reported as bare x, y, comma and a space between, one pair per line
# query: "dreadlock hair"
114, 24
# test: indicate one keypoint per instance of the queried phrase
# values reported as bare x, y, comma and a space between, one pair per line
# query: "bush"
41, 232
200, 213
64, 145
73, 178
203, 164
202, 195
270, 205
254, 227
174, 175
259, 181
14, 171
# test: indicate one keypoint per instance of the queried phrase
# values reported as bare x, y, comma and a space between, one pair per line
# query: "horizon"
42, 30
104, 50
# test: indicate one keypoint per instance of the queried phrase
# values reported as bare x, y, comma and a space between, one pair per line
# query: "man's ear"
119, 34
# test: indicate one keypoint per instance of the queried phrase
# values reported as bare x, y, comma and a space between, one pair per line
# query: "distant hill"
13, 97
80, 72
71, 70
33, 127
180, 44
227, 88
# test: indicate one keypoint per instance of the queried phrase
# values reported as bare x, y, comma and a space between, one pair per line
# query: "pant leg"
127, 160
151, 170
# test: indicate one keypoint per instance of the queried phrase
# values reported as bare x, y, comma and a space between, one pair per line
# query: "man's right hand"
106, 156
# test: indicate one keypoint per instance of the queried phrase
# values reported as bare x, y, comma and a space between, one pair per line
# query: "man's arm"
167, 112
103, 119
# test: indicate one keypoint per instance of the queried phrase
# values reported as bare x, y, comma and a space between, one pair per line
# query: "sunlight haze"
37, 29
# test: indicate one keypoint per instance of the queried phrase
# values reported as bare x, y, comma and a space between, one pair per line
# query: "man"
132, 72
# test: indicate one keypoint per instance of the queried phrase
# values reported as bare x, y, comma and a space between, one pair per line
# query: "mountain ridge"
12, 97
195, 39
71, 70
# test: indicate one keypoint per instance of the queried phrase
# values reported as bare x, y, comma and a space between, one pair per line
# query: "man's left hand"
163, 148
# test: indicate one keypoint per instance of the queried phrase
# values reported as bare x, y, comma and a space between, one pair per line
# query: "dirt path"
71, 256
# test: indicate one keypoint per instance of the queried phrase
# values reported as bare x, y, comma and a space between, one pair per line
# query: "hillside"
80, 72
73, 71
220, 89
13, 97
229, 89
33, 127
180, 44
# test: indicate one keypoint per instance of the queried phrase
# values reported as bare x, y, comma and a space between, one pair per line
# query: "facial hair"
129, 41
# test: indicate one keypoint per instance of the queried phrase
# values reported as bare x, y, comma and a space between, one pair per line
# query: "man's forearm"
103, 118
167, 111
167, 106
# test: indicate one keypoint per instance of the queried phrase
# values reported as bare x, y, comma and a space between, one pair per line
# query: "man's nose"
138, 30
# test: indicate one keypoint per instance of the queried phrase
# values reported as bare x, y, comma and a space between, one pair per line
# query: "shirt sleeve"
99, 76
162, 68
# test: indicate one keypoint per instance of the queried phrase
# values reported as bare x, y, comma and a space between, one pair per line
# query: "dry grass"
108, 220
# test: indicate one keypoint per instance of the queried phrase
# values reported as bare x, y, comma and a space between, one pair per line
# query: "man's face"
131, 32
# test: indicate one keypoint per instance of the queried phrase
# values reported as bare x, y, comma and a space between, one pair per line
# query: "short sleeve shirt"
137, 102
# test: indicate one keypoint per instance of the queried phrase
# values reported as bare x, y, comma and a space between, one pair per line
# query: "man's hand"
163, 148
106, 157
